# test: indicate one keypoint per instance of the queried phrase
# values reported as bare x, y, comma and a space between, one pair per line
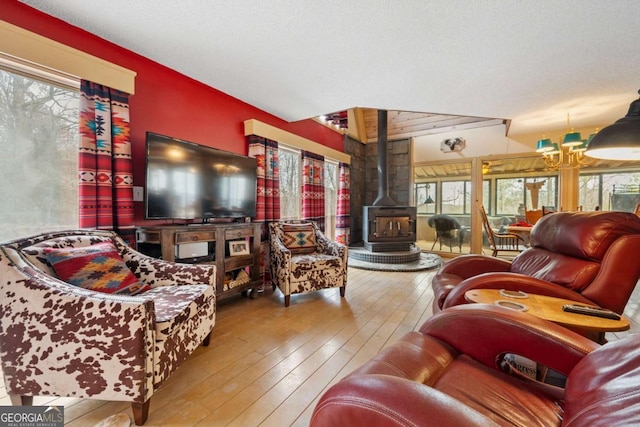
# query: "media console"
232, 247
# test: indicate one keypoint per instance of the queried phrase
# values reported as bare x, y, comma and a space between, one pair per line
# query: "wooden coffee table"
550, 308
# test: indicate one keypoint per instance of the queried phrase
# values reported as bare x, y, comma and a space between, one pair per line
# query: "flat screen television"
190, 181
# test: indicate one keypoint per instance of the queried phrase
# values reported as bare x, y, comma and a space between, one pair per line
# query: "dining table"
523, 231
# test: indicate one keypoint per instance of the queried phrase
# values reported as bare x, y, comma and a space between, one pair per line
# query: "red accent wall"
166, 101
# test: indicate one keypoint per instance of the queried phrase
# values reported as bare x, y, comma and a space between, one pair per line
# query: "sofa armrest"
280, 260
512, 282
156, 272
280, 249
486, 333
329, 247
56, 339
375, 400
466, 266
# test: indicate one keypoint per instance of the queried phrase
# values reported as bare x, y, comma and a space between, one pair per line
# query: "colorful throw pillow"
97, 267
299, 238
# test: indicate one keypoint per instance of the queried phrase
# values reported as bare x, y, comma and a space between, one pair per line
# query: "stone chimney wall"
364, 177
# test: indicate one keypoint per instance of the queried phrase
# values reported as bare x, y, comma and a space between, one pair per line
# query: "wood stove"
388, 227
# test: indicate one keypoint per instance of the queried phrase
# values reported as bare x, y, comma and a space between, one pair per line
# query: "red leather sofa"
590, 257
447, 374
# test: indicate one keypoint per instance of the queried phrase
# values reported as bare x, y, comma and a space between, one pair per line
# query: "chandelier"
570, 153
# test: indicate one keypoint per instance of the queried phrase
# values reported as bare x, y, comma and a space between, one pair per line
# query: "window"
468, 203
618, 191
458, 199
454, 197
590, 191
39, 163
509, 195
425, 197
290, 162
331, 180
547, 191
514, 194
486, 195
290, 183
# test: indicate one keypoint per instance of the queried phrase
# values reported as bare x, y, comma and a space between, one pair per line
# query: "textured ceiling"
528, 61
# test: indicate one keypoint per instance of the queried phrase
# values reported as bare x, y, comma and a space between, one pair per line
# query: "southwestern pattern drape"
343, 214
313, 188
105, 165
268, 192
268, 186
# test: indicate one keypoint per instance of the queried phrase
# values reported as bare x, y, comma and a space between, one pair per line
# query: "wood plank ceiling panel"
407, 124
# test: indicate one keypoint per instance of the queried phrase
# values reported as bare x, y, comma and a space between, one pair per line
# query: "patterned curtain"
343, 230
313, 188
268, 193
105, 165
268, 188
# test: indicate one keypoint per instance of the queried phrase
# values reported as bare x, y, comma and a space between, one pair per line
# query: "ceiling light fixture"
570, 153
429, 200
621, 140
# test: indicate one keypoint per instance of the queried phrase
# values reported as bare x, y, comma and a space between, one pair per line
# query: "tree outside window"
453, 197
331, 179
590, 191
509, 195
290, 183
39, 162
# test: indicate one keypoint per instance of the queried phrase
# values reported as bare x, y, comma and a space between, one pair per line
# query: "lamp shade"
572, 139
554, 149
621, 140
582, 147
544, 145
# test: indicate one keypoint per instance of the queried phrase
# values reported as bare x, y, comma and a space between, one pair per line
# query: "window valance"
19, 43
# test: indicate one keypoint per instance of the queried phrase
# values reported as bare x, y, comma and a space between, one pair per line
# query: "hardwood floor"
267, 365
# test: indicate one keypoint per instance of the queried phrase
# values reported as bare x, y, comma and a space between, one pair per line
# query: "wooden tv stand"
162, 242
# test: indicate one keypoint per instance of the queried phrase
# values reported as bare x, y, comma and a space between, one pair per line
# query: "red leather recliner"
590, 257
447, 374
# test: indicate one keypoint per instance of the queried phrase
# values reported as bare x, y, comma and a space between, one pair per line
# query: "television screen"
191, 181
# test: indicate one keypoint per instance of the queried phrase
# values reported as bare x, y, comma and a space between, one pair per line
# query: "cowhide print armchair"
64, 340
303, 259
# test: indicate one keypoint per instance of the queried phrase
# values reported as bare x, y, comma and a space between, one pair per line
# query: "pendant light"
619, 141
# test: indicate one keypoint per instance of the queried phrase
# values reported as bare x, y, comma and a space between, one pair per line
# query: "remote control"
591, 311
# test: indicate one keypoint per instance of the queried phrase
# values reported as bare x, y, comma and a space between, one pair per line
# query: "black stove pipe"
383, 198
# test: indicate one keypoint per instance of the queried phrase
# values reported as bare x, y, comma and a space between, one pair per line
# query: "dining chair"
500, 242
532, 216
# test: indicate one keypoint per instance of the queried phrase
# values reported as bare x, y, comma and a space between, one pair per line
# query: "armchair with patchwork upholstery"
303, 259
104, 341
587, 257
451, 373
